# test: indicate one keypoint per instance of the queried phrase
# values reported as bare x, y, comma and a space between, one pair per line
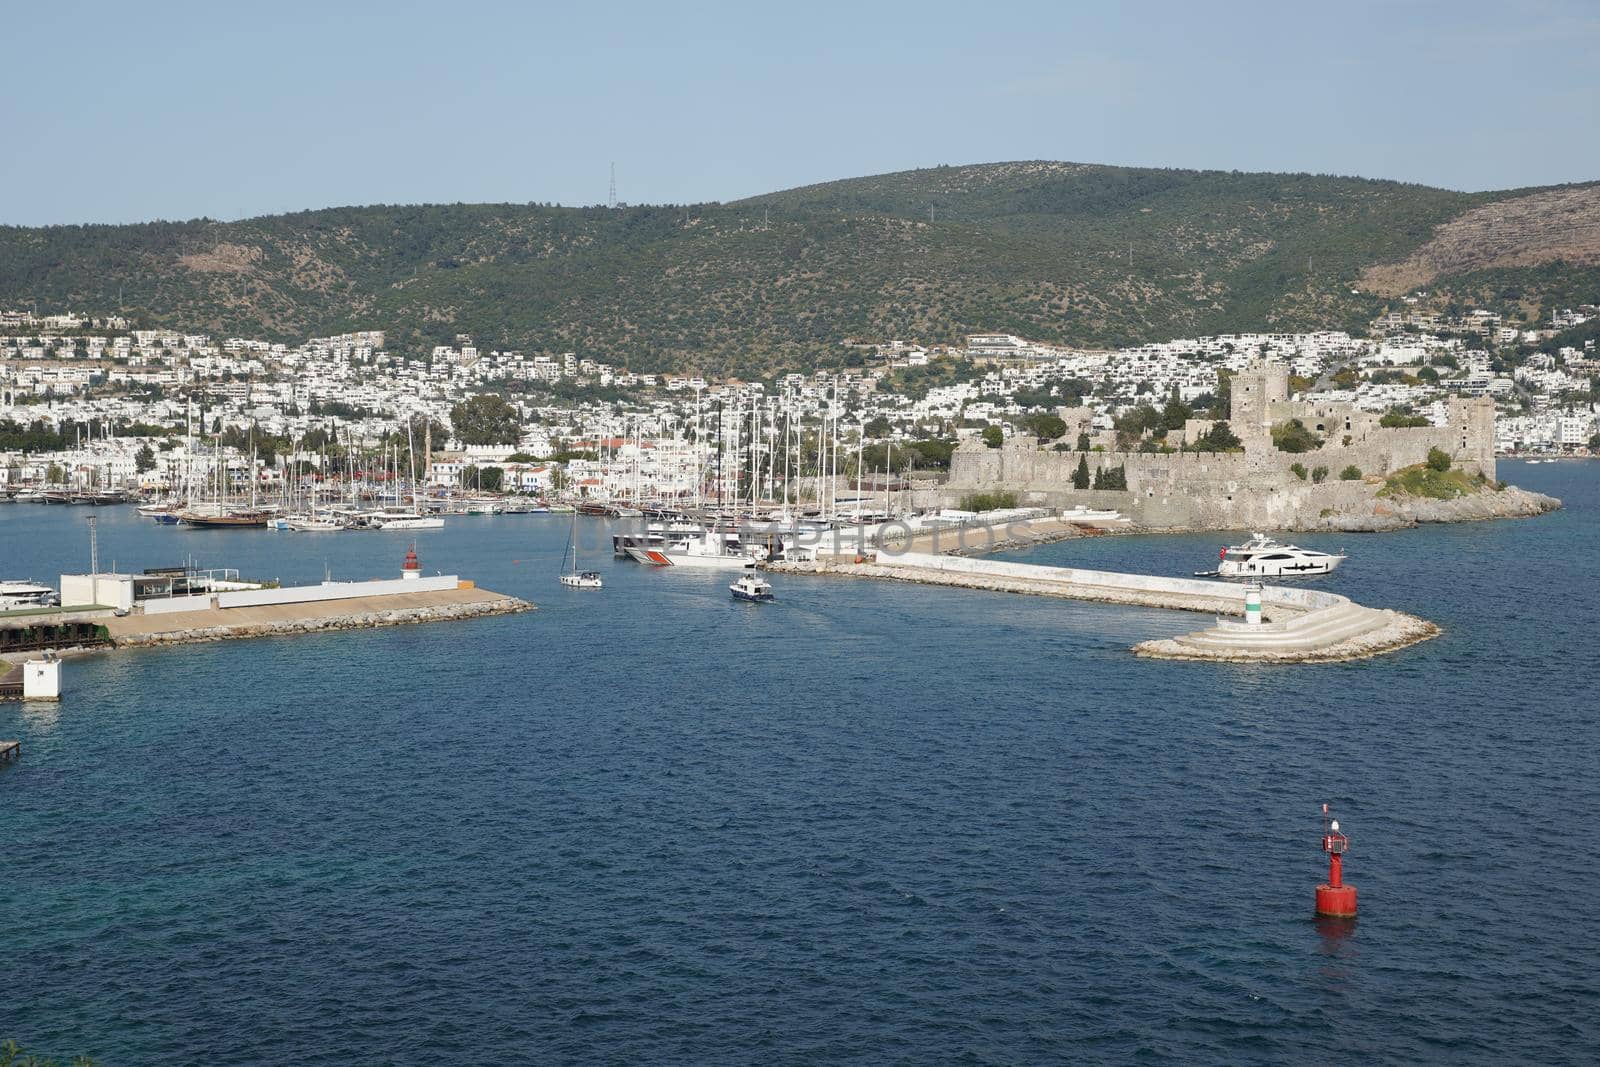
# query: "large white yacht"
24, 594
1262, 557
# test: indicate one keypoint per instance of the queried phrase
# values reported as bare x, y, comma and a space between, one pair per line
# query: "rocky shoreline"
359, 621
1402, 512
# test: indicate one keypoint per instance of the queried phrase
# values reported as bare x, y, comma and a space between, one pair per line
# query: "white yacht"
1262, 557
572, 577
391, 520
25, 594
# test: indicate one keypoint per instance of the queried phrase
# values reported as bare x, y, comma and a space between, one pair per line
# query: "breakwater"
1299, 625
221, 624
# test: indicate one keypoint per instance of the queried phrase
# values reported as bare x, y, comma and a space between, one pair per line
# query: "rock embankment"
1402, 511
219, 628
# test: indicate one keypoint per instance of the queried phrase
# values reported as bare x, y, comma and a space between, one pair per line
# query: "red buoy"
1335, 899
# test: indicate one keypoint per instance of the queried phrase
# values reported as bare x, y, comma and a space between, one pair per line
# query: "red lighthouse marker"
1335, 899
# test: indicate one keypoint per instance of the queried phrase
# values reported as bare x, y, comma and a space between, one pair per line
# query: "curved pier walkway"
1300, 625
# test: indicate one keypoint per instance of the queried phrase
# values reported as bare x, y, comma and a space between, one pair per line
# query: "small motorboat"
1262, 557
753, 589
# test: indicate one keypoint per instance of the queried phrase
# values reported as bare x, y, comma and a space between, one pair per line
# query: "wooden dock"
10, 750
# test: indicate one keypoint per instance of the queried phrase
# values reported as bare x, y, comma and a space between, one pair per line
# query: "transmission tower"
613, 200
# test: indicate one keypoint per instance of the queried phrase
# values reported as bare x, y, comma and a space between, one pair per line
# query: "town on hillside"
90, 405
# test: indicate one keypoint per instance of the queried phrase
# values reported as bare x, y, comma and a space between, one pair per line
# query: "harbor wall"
168, 605
299, 594
1152, 589
305, 594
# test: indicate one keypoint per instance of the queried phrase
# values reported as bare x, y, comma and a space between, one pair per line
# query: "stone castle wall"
1253, 488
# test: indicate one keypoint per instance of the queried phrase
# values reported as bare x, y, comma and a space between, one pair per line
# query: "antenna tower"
613, 199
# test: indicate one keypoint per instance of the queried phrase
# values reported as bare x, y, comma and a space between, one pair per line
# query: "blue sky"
122, 111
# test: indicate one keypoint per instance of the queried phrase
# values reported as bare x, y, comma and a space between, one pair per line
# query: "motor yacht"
1262, 557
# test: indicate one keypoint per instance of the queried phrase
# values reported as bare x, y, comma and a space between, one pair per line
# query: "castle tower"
1254, 390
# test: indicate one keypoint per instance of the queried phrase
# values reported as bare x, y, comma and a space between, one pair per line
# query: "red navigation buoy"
1335, 899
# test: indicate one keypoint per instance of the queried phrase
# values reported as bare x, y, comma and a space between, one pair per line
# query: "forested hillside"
1054, 251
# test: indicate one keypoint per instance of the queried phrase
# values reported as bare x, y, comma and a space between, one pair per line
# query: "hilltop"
1067, 252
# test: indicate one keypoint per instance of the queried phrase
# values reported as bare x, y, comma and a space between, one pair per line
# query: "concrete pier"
268, 620
1299, 625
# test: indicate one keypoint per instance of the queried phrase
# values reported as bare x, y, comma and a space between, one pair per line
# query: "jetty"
273, 620
169, 606
10, 750
1298, 626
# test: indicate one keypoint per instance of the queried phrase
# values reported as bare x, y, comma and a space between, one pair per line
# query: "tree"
1438, 459
491, 479
144, 459
1080, 477
1083, 441
1292, 436
1395, 417
486, 419
878, 427
1047, 427
1176, 413
1220, 438
993, 436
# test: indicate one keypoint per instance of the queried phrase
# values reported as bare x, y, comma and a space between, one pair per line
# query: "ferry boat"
753, 589
1262, 557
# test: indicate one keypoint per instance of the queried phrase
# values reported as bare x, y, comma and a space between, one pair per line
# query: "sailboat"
571, 577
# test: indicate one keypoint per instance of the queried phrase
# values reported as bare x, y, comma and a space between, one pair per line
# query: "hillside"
1056, 251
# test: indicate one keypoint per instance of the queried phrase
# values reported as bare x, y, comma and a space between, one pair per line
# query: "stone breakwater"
283, 620
1300, 625
1397, 631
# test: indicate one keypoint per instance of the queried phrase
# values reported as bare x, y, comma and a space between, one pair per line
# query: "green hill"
1054, 251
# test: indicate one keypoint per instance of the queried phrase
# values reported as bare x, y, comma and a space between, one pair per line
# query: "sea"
870, 823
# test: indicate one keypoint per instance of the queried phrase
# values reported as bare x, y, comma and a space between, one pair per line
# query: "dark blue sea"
872, 823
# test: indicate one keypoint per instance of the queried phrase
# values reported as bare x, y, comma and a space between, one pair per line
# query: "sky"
125, 112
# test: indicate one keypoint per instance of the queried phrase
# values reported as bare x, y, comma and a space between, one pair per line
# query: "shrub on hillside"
988, 501
1351, 473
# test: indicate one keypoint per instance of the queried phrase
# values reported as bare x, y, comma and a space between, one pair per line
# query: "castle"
1258, 487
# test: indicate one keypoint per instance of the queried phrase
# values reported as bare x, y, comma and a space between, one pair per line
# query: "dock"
11, 684
10, 750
